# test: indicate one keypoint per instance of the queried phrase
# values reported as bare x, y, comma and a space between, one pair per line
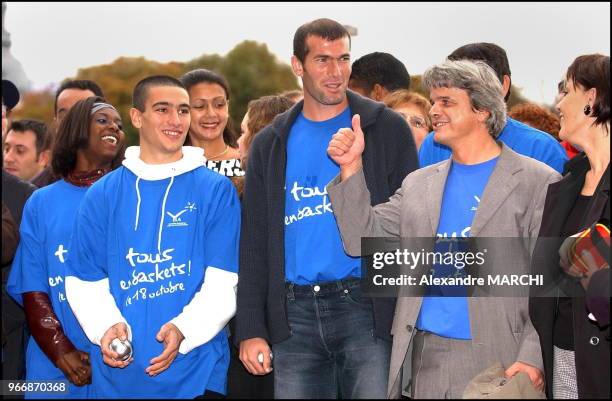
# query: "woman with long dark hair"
89, 143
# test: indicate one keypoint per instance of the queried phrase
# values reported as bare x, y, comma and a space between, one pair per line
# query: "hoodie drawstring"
138, 205
161, 223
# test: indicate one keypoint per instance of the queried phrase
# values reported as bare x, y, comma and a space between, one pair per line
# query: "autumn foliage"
250, 68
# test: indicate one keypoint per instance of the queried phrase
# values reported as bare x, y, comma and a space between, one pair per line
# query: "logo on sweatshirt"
176, 217
60, 253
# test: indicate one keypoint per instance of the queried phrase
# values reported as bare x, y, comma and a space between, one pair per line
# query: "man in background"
15, 193
27, 149
377, 74
517, 136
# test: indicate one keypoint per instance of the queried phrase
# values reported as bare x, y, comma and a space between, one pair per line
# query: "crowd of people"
232, 265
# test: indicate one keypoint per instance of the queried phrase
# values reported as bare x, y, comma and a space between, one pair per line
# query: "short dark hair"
140, 93
73, 135
82, 84
324, 27
202, 75
43, 139
380, 68
593, 71
491, 54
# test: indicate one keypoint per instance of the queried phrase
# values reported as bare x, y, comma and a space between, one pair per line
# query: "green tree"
36, 105
250, 68
212, 62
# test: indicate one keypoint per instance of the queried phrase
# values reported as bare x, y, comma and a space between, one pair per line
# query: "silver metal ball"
260, 357
123, 348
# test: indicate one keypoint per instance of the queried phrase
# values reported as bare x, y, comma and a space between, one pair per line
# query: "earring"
587, 109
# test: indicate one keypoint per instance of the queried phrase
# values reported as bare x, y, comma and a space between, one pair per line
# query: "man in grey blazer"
484, 190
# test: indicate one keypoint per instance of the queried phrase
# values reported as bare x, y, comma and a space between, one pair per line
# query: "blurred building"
11, 67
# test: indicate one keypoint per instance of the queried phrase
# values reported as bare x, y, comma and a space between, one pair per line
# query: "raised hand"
346, 147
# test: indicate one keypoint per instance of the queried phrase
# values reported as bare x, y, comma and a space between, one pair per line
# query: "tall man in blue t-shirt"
520, 137
299, 291
485, 190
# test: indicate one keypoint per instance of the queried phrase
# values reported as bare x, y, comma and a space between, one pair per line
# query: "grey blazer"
511, 206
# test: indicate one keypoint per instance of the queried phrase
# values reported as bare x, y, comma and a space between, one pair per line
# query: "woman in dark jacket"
576, 347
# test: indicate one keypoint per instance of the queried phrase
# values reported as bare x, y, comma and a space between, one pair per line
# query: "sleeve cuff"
94, 307
209, 310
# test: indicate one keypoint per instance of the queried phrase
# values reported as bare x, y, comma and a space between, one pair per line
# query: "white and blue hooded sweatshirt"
154, 244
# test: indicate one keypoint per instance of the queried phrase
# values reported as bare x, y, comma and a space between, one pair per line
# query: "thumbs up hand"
346, 147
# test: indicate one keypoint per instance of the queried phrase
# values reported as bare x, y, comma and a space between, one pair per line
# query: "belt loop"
290, 293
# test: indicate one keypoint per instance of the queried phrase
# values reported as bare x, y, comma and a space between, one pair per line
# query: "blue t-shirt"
39, 266
154, 241
520, 137
313, 248
448, 316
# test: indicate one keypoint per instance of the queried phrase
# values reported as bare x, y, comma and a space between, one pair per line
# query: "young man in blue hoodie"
153, 259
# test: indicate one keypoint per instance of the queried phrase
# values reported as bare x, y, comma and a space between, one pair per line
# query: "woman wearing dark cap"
576, 344
90, 143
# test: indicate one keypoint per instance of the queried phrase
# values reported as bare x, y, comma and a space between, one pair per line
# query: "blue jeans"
333, 351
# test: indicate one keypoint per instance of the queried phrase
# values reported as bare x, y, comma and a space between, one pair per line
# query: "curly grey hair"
480, 82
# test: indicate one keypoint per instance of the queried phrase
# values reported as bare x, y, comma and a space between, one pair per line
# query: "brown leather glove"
49, 335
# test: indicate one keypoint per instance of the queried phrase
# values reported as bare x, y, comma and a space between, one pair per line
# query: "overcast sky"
53, 40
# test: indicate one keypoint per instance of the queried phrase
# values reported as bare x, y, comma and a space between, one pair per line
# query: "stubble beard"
321, 98
319, 95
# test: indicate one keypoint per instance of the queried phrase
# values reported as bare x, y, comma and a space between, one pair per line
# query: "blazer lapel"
435, 192
501, 184
601, 201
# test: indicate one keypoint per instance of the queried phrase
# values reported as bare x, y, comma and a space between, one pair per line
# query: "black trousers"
14, 340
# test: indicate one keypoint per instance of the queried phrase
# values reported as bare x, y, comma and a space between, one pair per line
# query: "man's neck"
316, 111
476, 148
159, 158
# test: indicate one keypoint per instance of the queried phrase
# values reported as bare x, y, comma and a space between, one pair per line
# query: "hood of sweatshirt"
193, 157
